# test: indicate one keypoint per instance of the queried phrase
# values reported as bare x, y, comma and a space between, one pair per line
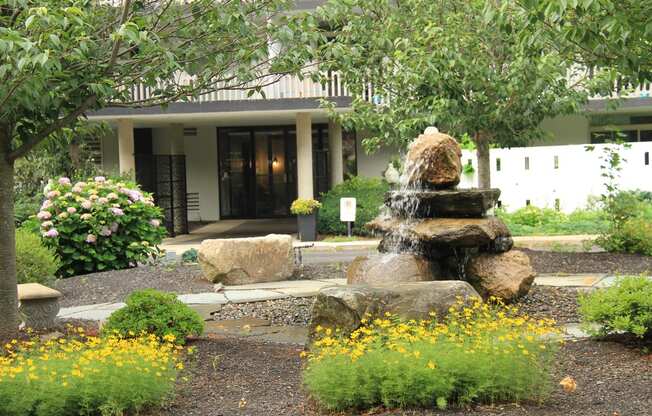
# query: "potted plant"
306, 212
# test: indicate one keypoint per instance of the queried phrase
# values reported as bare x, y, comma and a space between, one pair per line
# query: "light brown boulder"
237, 261
506, 275
390, 268
344, 307
433, 160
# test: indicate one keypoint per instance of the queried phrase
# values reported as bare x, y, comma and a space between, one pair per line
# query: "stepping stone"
244, 296
205, 310
241, 326
574, 280
203, 298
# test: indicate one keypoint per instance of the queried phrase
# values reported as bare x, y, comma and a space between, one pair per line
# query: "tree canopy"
455, 64
613, 34
60, 59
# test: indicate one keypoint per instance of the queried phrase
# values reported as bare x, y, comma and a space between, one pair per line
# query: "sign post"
347, 213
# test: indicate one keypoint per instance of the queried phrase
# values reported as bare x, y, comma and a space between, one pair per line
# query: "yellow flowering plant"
304, 206
87, 375
482, 352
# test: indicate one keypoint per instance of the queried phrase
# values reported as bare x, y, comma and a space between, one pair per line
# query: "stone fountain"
439, 243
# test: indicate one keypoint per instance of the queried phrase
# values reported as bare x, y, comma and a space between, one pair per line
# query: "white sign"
347, 209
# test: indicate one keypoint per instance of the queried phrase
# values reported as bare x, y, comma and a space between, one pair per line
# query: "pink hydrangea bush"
99, 225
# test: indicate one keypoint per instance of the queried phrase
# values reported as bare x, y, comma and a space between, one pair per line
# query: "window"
647, 158
599, 137
557, 204
498, 164
527, 163
556, 162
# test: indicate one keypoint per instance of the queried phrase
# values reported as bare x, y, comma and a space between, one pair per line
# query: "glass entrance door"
257, 168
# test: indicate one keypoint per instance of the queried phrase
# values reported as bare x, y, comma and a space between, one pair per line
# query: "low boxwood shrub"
86, 376
99, 224
35, 263
370, 196
624, 307
152, 312
481, 353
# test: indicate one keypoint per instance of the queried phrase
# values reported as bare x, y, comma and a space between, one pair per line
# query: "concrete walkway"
300, 288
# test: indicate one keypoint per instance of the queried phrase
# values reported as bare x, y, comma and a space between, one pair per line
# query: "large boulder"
344, 307
433, 161
238, 261
390, 268
487, 234
506, 275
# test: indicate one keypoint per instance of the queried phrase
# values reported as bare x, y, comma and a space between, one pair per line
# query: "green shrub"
369, 194
531, 220
35, 263
481, 354
630, 224
86, 376
99, 224
190, 256
624, 307
153, 312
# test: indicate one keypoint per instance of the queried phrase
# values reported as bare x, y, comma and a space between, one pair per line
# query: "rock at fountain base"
344, 307
390, 269
506, 275
445, 203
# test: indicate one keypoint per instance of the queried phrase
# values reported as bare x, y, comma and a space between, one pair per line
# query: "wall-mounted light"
275, 163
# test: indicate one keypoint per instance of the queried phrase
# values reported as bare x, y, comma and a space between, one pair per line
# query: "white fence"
558, 176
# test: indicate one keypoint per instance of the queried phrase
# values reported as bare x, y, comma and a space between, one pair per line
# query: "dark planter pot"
307, 225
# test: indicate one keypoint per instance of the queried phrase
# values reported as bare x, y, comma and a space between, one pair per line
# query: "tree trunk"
8, 294
484, 161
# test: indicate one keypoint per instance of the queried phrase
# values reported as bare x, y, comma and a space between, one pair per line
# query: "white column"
177, 146
335, 153
304, 156
126, 160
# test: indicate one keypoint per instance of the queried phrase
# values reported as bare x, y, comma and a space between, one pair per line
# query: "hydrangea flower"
155, 223
117, 212
102, 200
44, 215
105, 232
46, 204
100, 179
64, 181
86, 204
53, 194
47, 224
112, 195
114, 227
71, 210
51, 233
91, 238
86, 217
77, 189
63, 215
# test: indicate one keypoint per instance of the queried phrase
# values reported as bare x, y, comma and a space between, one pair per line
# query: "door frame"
251, 169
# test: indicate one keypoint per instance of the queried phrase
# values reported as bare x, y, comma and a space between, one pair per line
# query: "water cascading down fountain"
434, 231
439, 245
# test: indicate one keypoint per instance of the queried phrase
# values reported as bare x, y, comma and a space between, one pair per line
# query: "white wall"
373, 165
577, 177
201, 173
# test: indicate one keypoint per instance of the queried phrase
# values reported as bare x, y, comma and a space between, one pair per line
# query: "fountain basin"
459, 203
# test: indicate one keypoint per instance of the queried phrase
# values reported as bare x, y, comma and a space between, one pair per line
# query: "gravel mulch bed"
612, 263
288, 311
116, 285
236, 376
559, 303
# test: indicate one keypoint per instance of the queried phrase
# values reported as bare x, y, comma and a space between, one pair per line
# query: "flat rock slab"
256, 295
574, 280
445, 203
258, 329
206, 310
390, 268
99, 312
34, 291
344, 307
447, 232
203, 298
234, 326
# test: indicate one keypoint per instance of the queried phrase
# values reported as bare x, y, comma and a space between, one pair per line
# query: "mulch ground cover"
612, 263
241, 377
